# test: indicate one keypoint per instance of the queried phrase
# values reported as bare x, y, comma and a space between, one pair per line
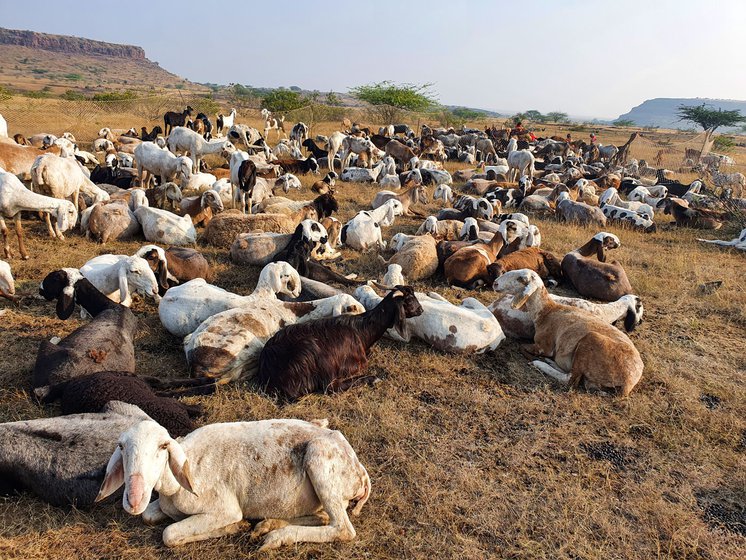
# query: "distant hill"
31, 61
661, 111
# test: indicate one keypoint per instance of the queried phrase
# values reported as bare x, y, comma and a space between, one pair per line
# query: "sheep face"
141, 278
521, 284
142, 454
67, 216
314, 231
282, 278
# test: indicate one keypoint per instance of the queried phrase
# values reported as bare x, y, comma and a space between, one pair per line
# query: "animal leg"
48, 220
19, 233
205, 526
553, 372
6, 246
153, 515
269, 525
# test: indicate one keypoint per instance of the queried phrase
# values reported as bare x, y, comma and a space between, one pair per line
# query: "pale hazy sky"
585, 57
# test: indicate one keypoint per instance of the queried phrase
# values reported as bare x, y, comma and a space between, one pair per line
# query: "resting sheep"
162, 226
596, 279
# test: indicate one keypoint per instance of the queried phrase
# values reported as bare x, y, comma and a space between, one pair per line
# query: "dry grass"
470, 456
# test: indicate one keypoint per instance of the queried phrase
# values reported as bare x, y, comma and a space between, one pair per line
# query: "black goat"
299, 166
325, 205
90, 393
146, 136
202, 125
298, 255
247, 180
104, 344
313, 149
331, 354
172, 119
103, 174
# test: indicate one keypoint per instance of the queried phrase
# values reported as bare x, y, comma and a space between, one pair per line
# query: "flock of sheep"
305, 328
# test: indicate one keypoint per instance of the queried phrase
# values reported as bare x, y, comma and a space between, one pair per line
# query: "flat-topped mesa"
67, 44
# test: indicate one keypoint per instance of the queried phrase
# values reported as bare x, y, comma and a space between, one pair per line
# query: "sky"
588, 58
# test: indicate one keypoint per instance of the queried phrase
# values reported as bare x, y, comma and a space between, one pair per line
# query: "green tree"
466, 114
623, 122
710, 119
389, 99
332, 99
557, 117
282, 100
534, 115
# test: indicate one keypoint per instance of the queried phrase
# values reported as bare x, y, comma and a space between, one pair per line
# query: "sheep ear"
163, 275
179, 466
114, 477
601, 253
401, 320
124, 291
520, 300
66, 303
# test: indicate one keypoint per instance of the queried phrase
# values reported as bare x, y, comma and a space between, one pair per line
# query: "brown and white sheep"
602, 280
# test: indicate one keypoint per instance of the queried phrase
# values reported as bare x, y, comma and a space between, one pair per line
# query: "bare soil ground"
469, 456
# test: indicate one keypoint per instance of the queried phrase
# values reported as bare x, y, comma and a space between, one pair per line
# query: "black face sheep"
90, 393
104, 344
62, 460
331, 354
596, 279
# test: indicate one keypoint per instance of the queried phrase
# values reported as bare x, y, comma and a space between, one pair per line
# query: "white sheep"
182, 139
15, 198
210, 481
118, 276
362, 174
7, 284
162, 226
61, 178
611, 196
444, 193
3, 127
364, 230
152, 160
186, 306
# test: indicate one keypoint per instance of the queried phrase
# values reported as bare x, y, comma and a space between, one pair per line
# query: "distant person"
569, 138
518, 128
593, 138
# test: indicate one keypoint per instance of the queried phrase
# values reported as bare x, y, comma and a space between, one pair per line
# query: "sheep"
544, 263
201, 208
35, 455
104, 344
362, 174
518, 324
182, 139
583, 349
331, 354
118, 276
185, 307
629, 218
61, 178
7, 283
15, 198
166, 196
162, 226
152, 160
611, 196
226, 346
203, 473
469, 328
415, 195
114, 220
418, 258
325, 185
685, 216
737, 243
467, 267
225, 121
597, 280
261, 248
578, 212
223, 229
444, 193
173, 119
90, 393
364, 229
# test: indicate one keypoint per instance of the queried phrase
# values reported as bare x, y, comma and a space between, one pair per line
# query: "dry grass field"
470, 456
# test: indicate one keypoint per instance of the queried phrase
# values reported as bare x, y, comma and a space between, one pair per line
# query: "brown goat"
544, 263
467, 267
685, 216
596, 279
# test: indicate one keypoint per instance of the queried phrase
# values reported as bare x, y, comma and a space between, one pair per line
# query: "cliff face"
68, 45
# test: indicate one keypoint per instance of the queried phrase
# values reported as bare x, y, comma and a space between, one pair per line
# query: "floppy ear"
114, 477
276, 281
521, 299
124, 290
66, 302
401, 320
162, 270
601, 253
179, 466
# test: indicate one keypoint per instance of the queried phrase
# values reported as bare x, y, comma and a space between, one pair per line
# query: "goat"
467, 267
182, 139
299, 166
152, 160
737, 243
172, 119
276, 124
544, 263
331, 354
7, 283
225, 121
685, 216
415, 195
364, 229
118, 276
596, 279
582, 348
203, 473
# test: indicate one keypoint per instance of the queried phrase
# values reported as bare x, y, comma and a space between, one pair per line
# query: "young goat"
332, 353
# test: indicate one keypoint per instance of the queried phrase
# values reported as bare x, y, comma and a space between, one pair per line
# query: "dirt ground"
469, 456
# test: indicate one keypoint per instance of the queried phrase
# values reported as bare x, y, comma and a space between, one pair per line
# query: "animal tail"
365, 492
343, 235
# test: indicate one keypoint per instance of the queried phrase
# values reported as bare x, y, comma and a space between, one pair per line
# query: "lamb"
185, 307
226, 346
225, 121
415, 195
152, 160
223, 229
7, 284
518, 324
203, 473
118, 276
35, 454
597, 280
90, 393
104, 344
201, 208
261, 248
364, 229
331, 354
469, 328
581, 348
15, 198
182, 139
544, 263
162, 226
418, 258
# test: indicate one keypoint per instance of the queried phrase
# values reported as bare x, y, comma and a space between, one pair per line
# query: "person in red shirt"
593, 138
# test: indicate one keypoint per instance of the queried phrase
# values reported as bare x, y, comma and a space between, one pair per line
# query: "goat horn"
382, 286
